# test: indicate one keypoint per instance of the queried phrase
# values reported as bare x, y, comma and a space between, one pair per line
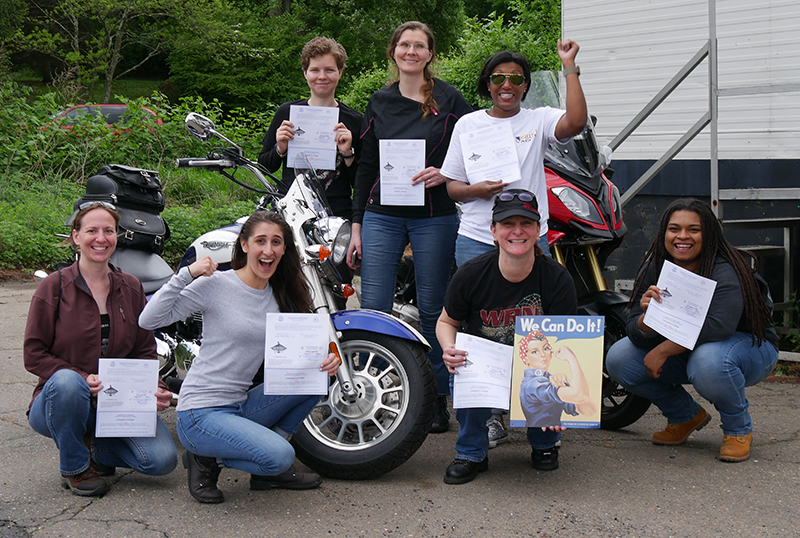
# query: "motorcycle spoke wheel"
387, 420
382, 397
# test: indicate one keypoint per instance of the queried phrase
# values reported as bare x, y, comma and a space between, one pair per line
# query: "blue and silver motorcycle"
380, 404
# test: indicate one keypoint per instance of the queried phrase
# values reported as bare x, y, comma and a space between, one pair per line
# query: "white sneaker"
497, 431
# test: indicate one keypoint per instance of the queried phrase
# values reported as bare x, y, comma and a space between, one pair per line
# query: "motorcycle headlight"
616, 203
340, 243
578, 204
324, 230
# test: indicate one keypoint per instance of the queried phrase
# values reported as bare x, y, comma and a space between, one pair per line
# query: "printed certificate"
684, 305
485, 381
297, 344
401, 160
126, 407
490, 154
313, 137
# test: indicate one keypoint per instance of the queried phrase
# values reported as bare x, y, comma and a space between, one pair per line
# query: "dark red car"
113, 114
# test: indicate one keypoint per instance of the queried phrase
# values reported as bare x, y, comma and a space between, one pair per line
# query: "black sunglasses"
499, 78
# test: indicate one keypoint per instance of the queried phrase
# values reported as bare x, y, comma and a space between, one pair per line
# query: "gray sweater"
234, 333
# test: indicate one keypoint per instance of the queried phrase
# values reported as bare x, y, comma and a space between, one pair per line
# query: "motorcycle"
380, 405
585, 226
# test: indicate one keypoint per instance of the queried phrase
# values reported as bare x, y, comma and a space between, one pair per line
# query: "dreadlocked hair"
288, 283
715, 245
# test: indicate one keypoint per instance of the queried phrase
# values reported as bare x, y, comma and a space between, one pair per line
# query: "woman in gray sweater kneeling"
221, 420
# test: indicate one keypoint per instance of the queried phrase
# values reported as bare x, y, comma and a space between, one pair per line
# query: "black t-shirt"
489, 304
338, 183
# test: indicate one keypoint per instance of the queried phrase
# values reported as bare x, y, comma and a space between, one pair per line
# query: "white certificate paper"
126, 407
684, 305
297, 344
490, 154
313, 136
401, 160
485, 381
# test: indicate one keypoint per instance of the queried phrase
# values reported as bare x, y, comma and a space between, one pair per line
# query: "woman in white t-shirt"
505, 78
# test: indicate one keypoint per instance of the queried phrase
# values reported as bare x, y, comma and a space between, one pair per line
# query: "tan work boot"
735, 447
676, 434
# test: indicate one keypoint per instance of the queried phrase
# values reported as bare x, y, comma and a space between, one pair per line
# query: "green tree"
91, 37
243, 56
533, 30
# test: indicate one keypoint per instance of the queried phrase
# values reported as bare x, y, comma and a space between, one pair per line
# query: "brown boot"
86, 484
676, 434
735, 447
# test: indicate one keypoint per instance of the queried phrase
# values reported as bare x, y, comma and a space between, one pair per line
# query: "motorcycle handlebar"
191, 162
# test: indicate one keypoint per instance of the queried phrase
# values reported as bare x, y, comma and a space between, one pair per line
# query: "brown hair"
288, 283
319, 46
429, 103
77, 221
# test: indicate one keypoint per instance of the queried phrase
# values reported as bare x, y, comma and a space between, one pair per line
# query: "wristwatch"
281, 155
352, 153
574, 69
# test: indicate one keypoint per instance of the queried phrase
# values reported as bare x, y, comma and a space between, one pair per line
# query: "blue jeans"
250, 436
473, 434
64, 411
383, 239
467, 248
719, 372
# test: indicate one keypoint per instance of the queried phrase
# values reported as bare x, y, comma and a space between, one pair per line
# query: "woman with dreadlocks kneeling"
737, 346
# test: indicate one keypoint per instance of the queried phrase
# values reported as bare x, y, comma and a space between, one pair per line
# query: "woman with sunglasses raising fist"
506, 78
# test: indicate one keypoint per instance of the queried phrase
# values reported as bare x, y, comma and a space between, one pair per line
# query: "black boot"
203, 475
290, 479
441, 419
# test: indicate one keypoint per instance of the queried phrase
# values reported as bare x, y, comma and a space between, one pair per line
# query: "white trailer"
631, 48
732, 124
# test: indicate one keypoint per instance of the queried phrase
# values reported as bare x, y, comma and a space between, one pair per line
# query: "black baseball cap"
515, 203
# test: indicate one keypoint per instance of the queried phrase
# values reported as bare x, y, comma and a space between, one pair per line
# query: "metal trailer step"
760, 194
752, 224
764, 250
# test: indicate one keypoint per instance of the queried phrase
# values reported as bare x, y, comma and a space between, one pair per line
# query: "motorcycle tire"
386, 423
620, 407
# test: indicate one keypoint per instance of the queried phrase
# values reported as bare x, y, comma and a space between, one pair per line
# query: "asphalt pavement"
610, 484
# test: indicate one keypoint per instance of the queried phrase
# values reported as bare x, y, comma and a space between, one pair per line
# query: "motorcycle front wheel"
385, 423
620, 407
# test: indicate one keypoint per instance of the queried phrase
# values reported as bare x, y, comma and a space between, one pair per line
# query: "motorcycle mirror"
199, 126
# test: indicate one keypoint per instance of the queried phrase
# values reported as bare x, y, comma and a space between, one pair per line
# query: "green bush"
44, 167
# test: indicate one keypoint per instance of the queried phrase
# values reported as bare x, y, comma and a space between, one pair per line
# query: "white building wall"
631, 48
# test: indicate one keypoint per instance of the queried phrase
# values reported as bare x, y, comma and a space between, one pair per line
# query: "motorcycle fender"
593, 304
377, 322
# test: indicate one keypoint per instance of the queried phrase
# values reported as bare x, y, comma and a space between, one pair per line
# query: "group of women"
91, 309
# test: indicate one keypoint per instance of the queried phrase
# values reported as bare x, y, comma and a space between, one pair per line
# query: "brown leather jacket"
63, 327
